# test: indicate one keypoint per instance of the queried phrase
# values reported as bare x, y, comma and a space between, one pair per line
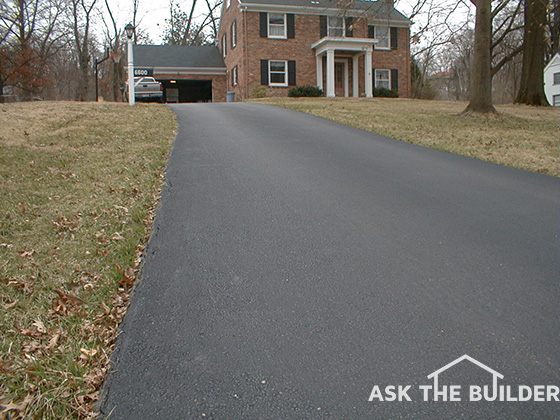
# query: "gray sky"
152, 13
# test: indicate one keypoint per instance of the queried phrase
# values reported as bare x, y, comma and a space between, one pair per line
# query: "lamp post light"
130, 34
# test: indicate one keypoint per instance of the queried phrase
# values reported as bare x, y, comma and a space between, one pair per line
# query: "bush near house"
385, 93
307, 91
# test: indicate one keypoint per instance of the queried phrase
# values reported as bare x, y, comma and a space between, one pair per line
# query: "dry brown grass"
522, 137
79, 182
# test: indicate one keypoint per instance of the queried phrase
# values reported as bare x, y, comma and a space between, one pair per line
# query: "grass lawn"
79, 185
523, 137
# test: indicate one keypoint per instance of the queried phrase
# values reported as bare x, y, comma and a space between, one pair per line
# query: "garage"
188, 73
181, 91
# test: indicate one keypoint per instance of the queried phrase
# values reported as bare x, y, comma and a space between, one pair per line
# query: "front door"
339, 79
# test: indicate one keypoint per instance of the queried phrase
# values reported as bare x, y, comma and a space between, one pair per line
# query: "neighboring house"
346, 51
552, 81
188, 73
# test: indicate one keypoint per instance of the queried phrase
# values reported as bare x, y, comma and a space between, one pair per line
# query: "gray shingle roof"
378, 9
177, 56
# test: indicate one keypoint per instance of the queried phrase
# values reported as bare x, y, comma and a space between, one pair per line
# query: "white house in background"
552, 81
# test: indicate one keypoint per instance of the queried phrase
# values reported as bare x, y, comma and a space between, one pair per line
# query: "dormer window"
276, 25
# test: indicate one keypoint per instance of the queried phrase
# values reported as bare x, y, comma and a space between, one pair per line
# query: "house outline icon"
495, 375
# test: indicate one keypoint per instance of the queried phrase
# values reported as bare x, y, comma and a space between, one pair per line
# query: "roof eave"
308, 10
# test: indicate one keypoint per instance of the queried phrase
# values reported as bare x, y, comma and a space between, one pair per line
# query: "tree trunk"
481, 88
531, 90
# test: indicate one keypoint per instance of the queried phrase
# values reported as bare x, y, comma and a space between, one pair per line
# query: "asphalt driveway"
296, 263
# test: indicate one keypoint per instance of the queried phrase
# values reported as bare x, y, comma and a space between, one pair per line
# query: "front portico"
353, 48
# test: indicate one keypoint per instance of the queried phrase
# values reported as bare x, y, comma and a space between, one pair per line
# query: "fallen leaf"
7, 367
117, 236
89, 353
40, 326
28, 254
10, 305
53, 341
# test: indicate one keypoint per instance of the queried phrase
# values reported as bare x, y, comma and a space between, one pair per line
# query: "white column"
346, 78
131, 97
330, 74
355, 76
319, 59
368, 74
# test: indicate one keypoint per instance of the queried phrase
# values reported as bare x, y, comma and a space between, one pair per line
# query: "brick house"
345, 50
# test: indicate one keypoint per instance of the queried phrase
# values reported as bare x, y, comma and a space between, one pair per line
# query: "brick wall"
251, 48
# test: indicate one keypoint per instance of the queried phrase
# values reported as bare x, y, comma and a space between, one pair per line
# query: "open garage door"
180, 91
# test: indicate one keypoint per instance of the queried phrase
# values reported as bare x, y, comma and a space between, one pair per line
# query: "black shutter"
264, 72
324, 27
291, 26
373, 80
395, 80
349, 29
371, 31
264, 25
394, 39
291, 72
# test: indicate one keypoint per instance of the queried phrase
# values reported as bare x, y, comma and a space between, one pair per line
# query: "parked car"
146, 89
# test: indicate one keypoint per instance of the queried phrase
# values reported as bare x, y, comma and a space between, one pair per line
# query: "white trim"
377, 46
234, 34
210, 71
346, 44
285, 35
383, 80
343, 26
270, 83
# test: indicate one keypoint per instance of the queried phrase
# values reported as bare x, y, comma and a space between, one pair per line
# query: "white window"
335, 26
276, 25
234, 34
277, 73
382, 79
556, 79
234, 80
224, 45
383, 38
556, 100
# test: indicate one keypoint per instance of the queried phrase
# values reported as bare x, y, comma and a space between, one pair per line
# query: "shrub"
385, 93
305, 91
258, 92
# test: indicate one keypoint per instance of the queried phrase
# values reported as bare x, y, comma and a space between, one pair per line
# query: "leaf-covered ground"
79, 185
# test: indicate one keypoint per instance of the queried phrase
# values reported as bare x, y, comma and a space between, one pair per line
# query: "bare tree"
481, 89
187, 29
531, 91
82, 12
30, 36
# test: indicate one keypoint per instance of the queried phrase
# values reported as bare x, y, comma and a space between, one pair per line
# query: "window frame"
234, 34
555, 100
342, 28
224, 46
387, 80
376, 36
285, 72
234, 76
275, 25
556, 78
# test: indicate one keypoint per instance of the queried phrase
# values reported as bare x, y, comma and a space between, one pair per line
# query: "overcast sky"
152, 13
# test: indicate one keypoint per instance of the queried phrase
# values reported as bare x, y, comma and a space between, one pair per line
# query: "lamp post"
130, 34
